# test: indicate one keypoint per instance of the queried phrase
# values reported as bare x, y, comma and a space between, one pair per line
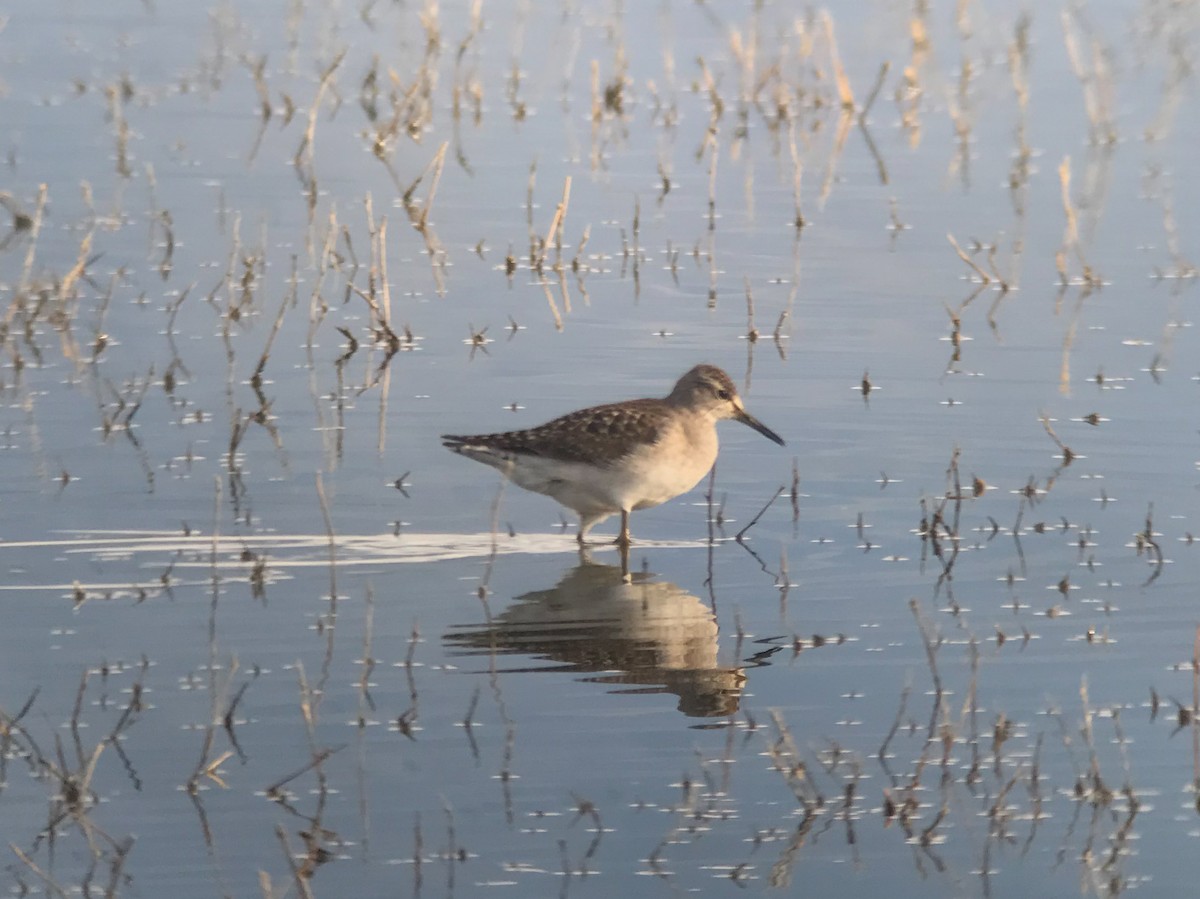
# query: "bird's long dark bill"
747, 419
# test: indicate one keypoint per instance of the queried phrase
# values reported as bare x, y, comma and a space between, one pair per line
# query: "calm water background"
264, 635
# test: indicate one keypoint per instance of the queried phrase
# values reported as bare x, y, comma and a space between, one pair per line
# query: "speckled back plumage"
600, 435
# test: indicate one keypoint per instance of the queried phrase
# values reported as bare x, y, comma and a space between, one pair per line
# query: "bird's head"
708, 388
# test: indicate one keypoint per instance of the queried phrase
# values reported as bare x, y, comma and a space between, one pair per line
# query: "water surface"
265, 636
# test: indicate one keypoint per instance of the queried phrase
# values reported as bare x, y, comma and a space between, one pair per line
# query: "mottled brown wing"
600, 435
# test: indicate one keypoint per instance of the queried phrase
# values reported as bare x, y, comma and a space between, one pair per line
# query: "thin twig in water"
1068, 455
983, 276
753, 521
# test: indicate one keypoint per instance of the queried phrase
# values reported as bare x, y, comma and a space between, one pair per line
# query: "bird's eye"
724, 394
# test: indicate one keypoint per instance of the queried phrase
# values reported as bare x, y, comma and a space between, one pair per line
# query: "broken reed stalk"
712, 185
576, 264
438, 163
373, 244
66, 288
318, 757
753, 521
288, 299
797, 176
385, 291
302, 888
317, 306
884, 68
35, 228
1095, 82
931, 640
1071, 234
419, 217
381, 327
304, 153
983, 276
1068, 455
558, 319
845, 94
41, 875
257, 72
327, 623
1089, 740
406, 198
751, 331
332, 539
202, 764
368, 660
529, 189
554, 232
1071, 241
1018, 65
385, 381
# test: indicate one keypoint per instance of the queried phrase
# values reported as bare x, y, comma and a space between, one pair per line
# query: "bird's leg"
585, 525
623, 540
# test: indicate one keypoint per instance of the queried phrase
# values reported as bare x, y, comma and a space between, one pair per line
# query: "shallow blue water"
744, 715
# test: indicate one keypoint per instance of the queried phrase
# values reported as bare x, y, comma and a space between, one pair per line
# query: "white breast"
671, 467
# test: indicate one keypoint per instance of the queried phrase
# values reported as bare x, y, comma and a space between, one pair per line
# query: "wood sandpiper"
622, 456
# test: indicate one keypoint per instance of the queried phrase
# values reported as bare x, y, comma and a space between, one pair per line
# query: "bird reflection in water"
649, 636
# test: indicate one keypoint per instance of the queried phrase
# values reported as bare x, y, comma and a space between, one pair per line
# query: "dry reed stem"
713, 158
751, 331
558, 319
884, 68
554, 232
845, 119
305, 152
202, 764
298, 877
845, 94
66, 288
1071, 234
317, 306
1097, 84
331, 538
984, 276
35, 228
45, 878
385, 289
797, 176
437, 164
753, 521
262, 362
385, 388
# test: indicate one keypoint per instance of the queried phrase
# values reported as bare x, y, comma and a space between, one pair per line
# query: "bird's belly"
585, 489
656, 491
653, 481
